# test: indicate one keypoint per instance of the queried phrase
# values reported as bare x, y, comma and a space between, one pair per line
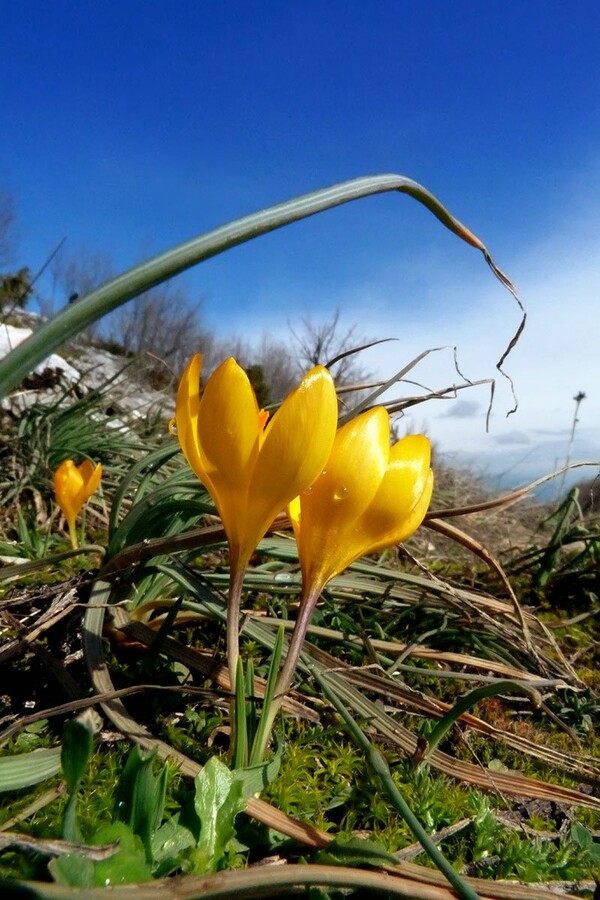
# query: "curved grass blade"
34, 565
466, 703
74, 318
381, 768
411, 882
25, 769
158, 509
148, 465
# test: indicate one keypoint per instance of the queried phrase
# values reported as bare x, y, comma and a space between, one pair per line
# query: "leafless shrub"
74, 277
279, 367
164, 324
321, 343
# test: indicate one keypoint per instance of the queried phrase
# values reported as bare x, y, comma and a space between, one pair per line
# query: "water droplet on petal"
340, 492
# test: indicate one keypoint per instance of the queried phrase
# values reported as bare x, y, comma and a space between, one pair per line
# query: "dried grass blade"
203, 663
512, 783
393, 690
483, 553
408, 880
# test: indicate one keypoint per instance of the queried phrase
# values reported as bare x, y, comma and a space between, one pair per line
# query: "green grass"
363, 617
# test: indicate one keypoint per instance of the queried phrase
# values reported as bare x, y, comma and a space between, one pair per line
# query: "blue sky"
131, 126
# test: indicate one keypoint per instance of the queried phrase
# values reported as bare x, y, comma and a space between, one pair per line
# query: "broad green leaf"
218, 800
25, 769
128, 865
73, 870
168, 844
254, 779
585, 840
140, 796
581, 836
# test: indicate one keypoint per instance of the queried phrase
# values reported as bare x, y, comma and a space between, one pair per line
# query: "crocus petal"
74, 485
68, 483
295, 513
296, 447
341, 494
86, 470
228, 425
92, 479
186, 417
402, 500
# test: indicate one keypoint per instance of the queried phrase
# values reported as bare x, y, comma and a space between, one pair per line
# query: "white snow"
11, 337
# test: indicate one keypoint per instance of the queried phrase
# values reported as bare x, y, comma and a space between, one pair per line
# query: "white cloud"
558, 356
512, 438
558, 277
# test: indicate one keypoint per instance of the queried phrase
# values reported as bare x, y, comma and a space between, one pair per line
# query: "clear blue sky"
131, 126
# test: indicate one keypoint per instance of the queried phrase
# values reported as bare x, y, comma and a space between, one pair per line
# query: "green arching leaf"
74, 318
380, 768
468, 701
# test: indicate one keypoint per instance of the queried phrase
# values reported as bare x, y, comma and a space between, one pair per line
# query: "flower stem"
73, 534
236, 581
308, 602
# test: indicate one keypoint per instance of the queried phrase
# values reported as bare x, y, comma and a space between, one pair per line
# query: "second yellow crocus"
73, 487
369, 497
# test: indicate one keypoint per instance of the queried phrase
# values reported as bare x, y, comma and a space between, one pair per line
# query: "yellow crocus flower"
369, 497
73, 487
252, 470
